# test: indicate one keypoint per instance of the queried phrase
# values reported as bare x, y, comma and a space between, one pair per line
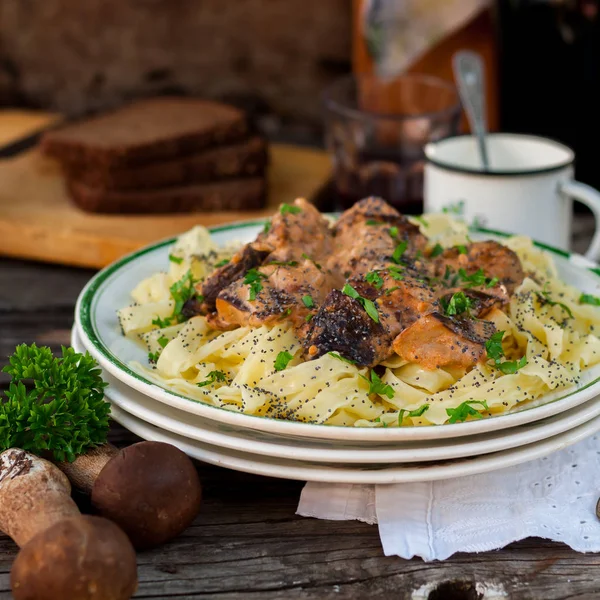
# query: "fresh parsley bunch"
61, 411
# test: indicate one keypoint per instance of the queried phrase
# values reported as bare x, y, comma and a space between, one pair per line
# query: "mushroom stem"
84, 470
34, 495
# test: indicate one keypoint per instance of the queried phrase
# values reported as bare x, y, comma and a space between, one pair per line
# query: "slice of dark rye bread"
232, 194
146, 131
248, 158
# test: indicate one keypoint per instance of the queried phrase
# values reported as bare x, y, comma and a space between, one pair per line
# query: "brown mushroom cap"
80, 558
151, 490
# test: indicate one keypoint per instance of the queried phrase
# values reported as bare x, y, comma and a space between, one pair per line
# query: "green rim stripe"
90, 298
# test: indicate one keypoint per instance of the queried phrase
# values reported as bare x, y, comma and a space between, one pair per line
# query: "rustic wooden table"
248, 543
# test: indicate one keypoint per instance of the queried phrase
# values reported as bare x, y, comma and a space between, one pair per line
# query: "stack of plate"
319, 452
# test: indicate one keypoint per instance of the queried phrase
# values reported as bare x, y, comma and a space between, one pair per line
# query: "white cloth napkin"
554, 497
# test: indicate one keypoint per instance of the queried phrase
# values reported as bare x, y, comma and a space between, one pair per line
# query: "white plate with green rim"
363, 474
109, 290
339, 451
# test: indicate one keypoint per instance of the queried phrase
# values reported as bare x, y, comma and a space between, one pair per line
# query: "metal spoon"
469, 76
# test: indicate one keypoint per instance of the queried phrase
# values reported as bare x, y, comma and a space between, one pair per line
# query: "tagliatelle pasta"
544, 323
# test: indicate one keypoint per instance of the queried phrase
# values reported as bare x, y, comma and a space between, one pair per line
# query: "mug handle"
589, 196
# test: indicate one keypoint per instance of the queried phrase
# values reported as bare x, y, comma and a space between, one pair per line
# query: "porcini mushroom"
63, 554
150, 489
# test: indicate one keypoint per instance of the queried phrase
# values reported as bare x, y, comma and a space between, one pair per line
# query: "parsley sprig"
289, 209
282, 361
417, 412
367, 304
375, 279
308, 301
377, 386
53, 405
395, 272
399, 251
458, 304
213, 377
589, 299
437, 250
544, 298
477, 279
253, 279
465, 410
181, 291
342, 358
495, 352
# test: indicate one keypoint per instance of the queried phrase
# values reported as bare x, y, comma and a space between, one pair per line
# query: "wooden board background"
38, 221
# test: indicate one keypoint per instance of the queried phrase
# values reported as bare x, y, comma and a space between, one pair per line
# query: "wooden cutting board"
38, 220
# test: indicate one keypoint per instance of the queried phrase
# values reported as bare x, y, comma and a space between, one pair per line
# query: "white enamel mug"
529, 188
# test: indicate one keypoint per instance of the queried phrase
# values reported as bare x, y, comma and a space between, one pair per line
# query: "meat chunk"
287, 268
367, 235
399, 303
278, 291
437, 341
496, 261
343, 326
249, 257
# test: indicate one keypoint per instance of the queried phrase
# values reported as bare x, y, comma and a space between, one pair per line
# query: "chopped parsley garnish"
213, 377
544, 298
493, 346
306, 257
376, 386
252, 279
374, 222
289, 209
456, 208
267, 227
394, 231
395, 273
421, 220
437, 250
458, 304
308, 301
417, 412
175, 259
288, 263
308, 317
182, 291
282, 360
510, 367
462, 249
286, 313
342, 358
465, 410
153, 357
160, 323
477, 279
222, 263
589, 299
391, 290
163, 340
495, 352
375, 279
367, 304
399, 251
